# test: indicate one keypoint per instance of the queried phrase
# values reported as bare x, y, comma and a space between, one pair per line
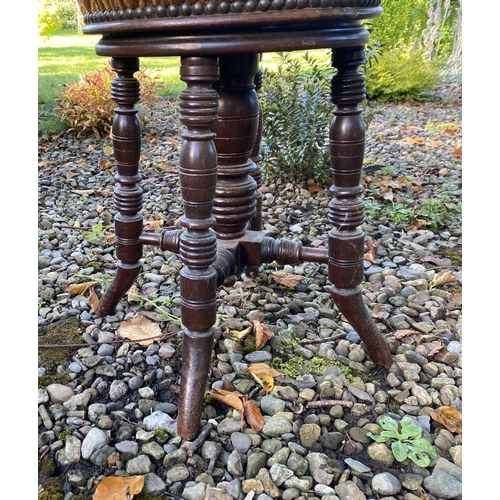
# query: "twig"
329, 402
200, 439
320, 341
214, 458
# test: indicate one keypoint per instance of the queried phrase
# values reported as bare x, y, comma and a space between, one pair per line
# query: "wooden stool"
219, 43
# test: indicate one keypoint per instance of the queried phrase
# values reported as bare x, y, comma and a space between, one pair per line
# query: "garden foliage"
297, 112
86, 105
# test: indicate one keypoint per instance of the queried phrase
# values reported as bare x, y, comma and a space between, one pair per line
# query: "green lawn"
67, 55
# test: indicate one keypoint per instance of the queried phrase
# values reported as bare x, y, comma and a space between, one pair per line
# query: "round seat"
201, 27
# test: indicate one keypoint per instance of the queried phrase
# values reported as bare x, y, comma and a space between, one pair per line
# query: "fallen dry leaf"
263, 374
287, 279
93, 300
442, 278
252, 414
262, 334
401, 334
155, 224
371, 252
312, 186
229, 398
241, 403
415, 140
448, 416
437, 350
239, 334
80, 288
118, 487
379, 312
139, 329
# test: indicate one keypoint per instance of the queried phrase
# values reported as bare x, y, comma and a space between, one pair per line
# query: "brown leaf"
312, 186
379, 312
448, 416
118, 487
110, 238
80, 288
262, 334
442, 278
287, 279
239, 334
401, 334
415, 140
457, 153
155, 224
252, 414
371, 252
436, 351
93, 300
229, 398
263, 374
139, 329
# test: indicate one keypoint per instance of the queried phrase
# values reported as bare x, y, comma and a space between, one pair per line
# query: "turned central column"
198, 243
236, 128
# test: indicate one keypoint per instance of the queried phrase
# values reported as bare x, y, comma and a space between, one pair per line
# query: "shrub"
297, 112
86, 105
400, 73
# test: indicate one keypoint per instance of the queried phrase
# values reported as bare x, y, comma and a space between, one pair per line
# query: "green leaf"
399, 450
422, 445
377, 437
421, 459
389, 424
409, 430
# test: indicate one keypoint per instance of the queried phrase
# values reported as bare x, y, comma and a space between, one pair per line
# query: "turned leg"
346, 209
126, 134
198, 243
236, 128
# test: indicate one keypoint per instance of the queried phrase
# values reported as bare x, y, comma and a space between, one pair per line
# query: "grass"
67, 55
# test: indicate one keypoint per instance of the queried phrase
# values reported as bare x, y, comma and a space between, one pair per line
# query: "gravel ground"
107, 406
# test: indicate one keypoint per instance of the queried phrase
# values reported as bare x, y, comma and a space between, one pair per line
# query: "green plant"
48, 20
406, 441
435, 211
167, 316
297, 112
95, 233
401, 73
86, 105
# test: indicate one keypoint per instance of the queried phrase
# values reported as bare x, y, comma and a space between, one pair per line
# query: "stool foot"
196, 356
351, 305
125, 276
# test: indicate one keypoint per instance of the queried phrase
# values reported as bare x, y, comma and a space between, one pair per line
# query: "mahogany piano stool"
219, 43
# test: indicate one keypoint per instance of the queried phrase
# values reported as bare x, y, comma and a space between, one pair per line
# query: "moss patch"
60, 333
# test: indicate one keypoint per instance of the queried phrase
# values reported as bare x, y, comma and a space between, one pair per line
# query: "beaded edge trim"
223, 7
